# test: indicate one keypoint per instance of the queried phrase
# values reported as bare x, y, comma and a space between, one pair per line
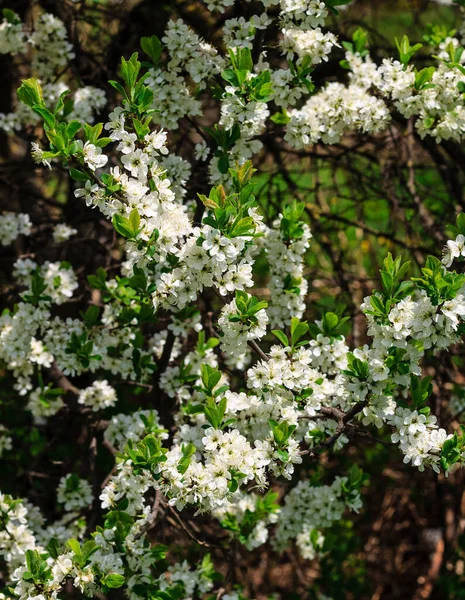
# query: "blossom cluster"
309, 508
288, 286
13, 225
98, 396
48, 53
84, 566
252, 389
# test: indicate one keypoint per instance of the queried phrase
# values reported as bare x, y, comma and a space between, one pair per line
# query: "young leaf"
30, 93
152, 47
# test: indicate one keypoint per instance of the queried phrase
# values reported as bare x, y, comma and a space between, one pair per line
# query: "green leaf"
88, 548
92, 133
134, 220
330, 321
141, 129
405, 50
280, 118
130, 71
127, 227
10, 16
214, 412
282, 337
152, 47
30, 93
283, 455
72, 128
298, 330
139, 280
223, 164
53, 547
103, 141
461, 223
61, 104
423, 77
78, 175
118, 87
210, 377
244, 226
233, 485
47, 116
243, 59
114, 580
122, 225
98, 281
91, 316
74, 546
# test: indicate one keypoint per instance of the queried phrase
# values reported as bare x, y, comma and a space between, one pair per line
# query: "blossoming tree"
163, 355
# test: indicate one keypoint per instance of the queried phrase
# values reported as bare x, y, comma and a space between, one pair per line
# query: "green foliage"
111, 185
291, 225
406, 51
98, 281
331, 326
203, 346
297, 330
439, 284
358, 368
214, 410
356, 480
281, 435
251, 87
282, 337
78, 175
72, 483
455, 57
242, 529
224, 140
38, 571
147, 454
280, 118
129, 73
394, 288
460, 226
420, 390
188, 450
438, 33
229, 212
82, 554
91, 316
82, 347
30, 93
423, 78
301, 71
358, 45
38, 287
128, 227
453, 450
153, 48
10, 16
395, 361
210, 378
61, 133
247, 307
113, 580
